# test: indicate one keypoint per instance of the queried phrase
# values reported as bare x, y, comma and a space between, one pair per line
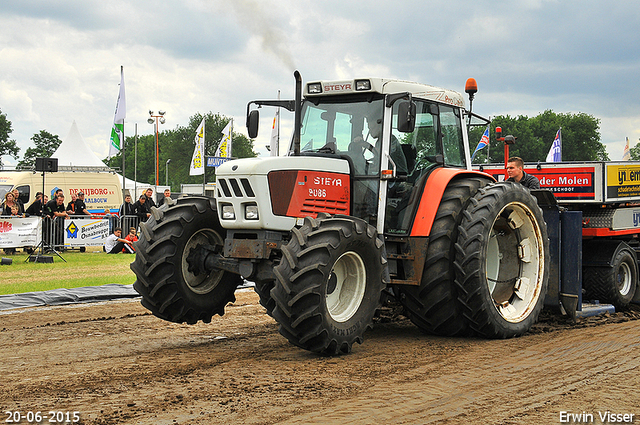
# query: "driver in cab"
359, 146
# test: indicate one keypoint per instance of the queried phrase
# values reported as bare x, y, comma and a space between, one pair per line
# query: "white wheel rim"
350, 278
515, 262
203, 283
623, 279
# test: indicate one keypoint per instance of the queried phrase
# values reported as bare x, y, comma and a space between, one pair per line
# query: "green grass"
81, 269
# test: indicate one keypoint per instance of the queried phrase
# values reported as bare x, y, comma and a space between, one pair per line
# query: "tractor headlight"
228, 213
363, 85
314, 88
251, 212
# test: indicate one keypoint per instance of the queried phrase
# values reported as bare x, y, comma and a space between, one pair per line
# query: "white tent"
74, 151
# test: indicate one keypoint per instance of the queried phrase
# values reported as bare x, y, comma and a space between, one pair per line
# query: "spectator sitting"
115, 244
132, 236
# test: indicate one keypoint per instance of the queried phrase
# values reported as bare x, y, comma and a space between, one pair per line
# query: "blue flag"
484, 142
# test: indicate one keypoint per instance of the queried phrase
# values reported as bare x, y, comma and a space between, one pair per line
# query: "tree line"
580, 142
176, 144
580, 137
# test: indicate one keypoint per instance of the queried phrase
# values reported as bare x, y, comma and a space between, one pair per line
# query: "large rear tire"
167, 287
501, 261
329, 283
433, 306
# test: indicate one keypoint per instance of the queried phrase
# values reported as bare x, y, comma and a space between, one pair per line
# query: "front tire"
329, 283
169, 290
501, 261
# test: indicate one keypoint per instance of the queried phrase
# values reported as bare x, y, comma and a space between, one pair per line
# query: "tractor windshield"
344, 126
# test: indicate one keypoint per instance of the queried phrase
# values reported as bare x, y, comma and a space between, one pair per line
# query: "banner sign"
16, 232
81, 231
216, 161
623, 181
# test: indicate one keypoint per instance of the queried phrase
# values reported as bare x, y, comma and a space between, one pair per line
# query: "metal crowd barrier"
53, 230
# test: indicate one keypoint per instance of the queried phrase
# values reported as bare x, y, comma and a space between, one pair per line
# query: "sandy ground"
114, 363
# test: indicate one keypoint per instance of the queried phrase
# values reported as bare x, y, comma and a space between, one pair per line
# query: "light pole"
166, 172
162, 121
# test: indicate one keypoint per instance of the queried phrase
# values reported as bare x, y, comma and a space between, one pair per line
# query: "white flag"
275, 135
196, 168
117, 131
626, 155
555, 153
224, 148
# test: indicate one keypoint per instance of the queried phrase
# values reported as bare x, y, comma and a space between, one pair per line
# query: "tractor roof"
383, 86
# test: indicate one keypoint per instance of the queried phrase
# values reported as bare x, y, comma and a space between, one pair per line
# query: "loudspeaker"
47, 164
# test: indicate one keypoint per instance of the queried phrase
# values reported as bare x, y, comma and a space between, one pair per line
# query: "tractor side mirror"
252, 123
406, 117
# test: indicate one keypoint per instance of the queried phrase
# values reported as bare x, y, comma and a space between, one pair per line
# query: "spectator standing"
115, 244
127, 207
55, 211
141, 208
36, 207
149, 195
113, 221
167, 197
80, 206
71, 206
17, 200
9, 202
14, 209
127, 213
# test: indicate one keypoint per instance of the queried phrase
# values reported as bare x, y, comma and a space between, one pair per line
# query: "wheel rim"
623, 279
346, 286
515, 262
202, 283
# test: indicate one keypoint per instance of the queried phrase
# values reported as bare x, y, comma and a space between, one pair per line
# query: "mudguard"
432, 194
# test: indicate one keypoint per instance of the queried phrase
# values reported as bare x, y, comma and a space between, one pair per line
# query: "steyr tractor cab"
376, 194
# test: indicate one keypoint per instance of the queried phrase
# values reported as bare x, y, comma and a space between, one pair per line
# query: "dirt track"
116, 364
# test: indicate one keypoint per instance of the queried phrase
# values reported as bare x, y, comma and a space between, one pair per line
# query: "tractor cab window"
419, 149
452, 142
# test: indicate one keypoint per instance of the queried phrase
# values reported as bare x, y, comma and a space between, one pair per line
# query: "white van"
102, 190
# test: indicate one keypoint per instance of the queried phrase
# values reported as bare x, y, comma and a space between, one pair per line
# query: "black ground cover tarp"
63, 296
67, 296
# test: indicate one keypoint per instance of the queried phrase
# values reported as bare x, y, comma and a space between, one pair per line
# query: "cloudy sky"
60, 59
